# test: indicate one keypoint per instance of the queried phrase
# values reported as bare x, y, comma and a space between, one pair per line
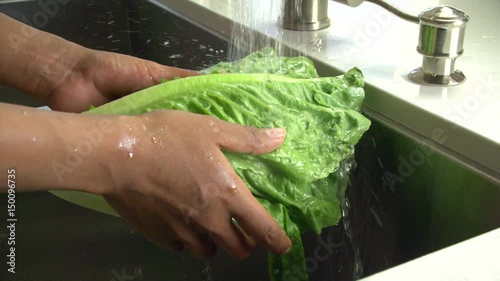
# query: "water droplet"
211, 124
128, 126
130, 155
210, 157
176, 56
217, 163
166, 43
24, 112
33, 140
155, 139
276, 271
138, 272
216, 129
234, 188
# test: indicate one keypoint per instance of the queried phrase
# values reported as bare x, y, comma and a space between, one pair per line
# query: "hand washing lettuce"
302, 182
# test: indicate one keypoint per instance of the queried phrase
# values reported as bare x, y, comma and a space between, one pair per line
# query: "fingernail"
276, 132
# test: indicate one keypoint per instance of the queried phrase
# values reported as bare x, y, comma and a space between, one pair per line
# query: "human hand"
67, 76
100, 77
173, 184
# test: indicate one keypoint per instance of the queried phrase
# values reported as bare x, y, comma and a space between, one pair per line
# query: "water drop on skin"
234, 188
211, 124
155, 139
33, 140
130, 155
25, 113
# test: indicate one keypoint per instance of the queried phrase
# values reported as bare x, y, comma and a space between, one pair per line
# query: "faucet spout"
309, 15
305, 15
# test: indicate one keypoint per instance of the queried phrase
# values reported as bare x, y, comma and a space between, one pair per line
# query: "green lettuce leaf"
302, 182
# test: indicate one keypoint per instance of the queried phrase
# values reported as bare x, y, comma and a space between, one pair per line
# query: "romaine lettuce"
301, 183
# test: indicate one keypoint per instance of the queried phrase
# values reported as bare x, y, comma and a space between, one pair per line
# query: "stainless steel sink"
409, 196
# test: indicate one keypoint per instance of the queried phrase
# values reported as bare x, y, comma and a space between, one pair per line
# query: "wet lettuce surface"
301, 183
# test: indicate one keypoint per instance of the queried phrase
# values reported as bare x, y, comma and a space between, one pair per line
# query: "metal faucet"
441, 36
310, 15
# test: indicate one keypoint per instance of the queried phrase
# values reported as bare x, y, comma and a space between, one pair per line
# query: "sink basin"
409, 196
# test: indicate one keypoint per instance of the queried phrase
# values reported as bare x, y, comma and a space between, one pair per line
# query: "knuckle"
255, 138
271, 235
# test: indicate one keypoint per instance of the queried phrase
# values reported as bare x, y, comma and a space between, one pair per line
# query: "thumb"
244, 139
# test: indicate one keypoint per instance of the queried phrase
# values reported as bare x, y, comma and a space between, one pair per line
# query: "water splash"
206, 273
357, 268
138, 273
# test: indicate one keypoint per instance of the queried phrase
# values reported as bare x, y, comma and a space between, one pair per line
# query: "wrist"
57, 63
85, 158
113, 140
36, 62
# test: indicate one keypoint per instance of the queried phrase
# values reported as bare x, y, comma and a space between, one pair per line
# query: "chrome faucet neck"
305, 15
310, 15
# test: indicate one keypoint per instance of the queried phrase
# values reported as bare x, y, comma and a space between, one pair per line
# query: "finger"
248, 240
160, 72
244, 139
173, 72
130, 74
199, 246
176, 245
254, 219
232, 240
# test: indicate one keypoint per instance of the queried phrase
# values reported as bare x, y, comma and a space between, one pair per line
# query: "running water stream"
257, 26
